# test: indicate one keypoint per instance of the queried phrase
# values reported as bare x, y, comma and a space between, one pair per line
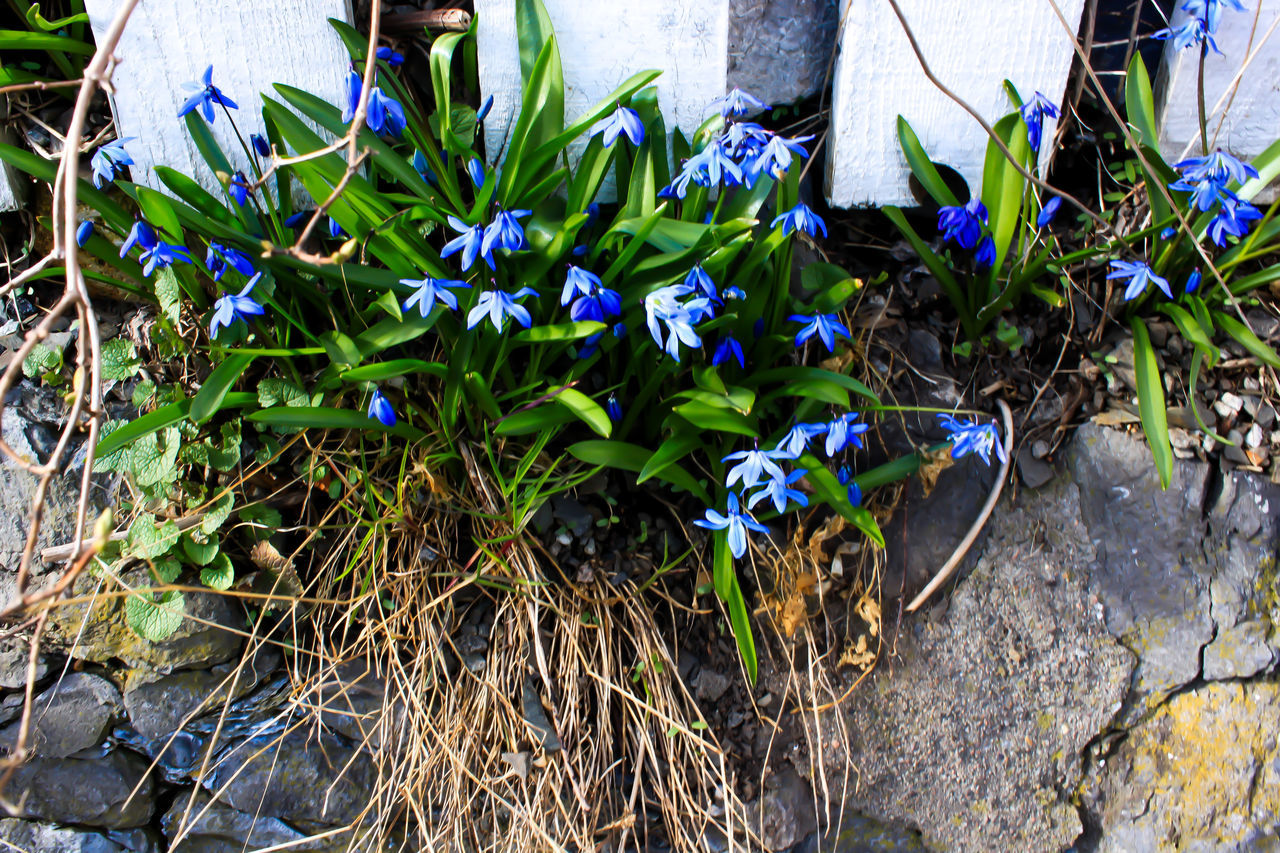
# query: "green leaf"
388, 369
281, 392
1246, 338
939, 269
20, 40
159, 419
216, 515
835, 495
632, 457
323, 417
537, 419
922, 167
740, 620
153, 458
43, 360
342, 349
208, 400
154, 620
586, 410
199, 553
262, 519
148, 540
219, 574
169, 294
119, 360
560, 332
704, 416
1140, 103
1190, 329
670, 451
1003, 187
1151, 404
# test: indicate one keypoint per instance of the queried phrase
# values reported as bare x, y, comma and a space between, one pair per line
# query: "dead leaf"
868, 611
265, 556
857, 654
792, 615
935, 462
519, 762
832, 527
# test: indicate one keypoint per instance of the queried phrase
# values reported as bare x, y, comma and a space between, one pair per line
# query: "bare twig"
967, 542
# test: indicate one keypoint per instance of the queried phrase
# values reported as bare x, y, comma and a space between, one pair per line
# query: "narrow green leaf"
208, 400
1247, 338
560, 332
587, 410
1151, 404
632, 457
922, 167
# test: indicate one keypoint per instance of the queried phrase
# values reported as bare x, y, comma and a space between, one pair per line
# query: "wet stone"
93, 792
30, 836
71, 716
211, 827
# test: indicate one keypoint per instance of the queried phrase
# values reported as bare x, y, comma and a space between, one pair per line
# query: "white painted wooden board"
251, 44
1253, 120
601, 45
972, 48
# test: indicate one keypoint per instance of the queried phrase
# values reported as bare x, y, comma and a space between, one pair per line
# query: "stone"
71, 716
972, 734
111, 792
353, 703
1151, 575
1034, 472
711, 685
30, 836
206, 825
535, 718
296, 776
1120, 362
786, 815
14, 654
780, 50
95, 630
1202, 773
159, 704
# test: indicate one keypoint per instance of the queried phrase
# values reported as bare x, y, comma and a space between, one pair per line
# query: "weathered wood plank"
251, 45
972, 48
1252, 121
600, 47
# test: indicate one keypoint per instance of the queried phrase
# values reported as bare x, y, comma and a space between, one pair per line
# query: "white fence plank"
251, 46
1253, 120
600, 47
972, 48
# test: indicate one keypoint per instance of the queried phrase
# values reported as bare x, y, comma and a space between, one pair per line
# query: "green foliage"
44, 361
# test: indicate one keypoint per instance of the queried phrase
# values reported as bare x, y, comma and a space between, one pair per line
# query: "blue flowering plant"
990, 250
578, 295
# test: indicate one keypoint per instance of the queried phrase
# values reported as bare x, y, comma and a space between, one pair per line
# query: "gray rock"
30, 837
711, 685
353, 703
973, 734
535, 717
1151, 573
787, 814
206, 825
71, 716
1120, 362
13, 664
95, 630
1201, 774
94, 792
1034, 472
779, 50
296, 777
158, 705
855, 833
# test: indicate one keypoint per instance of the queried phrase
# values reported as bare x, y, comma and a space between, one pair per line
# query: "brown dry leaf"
832, 527
857, 654
869, 611
265, 556
935, 462
837, 364
792, 614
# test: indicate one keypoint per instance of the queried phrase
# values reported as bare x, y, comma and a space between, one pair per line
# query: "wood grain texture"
251, 45
1253, 120
972, 48
603, 43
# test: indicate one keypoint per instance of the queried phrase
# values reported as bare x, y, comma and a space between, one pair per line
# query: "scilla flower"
500, 305
727, 348
470, 243
141, 234
108, 159
204, 96
780, 492
967, 437
736, 103
230, 308
430, 291
504, 232
1033, 113
219, 258
1049, 212
963, 223
825, 326
800, 218
620, 121
83, 232
843, 431
614, 408
736, 522
1139, 275
163, 255
797, 439
752, 465
380, 409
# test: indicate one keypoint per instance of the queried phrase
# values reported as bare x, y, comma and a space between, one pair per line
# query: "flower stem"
1204, 125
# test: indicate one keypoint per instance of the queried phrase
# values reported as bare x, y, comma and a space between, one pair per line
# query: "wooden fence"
702, 47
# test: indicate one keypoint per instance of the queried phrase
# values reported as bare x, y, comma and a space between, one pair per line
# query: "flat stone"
787, 814
30, 836
1034, 472
1202, 773
13, 664
779, 50
297, 776
71, 716
972, 735
711, 685
158, 705
93, 792
205, 825
353, 702
1238, 652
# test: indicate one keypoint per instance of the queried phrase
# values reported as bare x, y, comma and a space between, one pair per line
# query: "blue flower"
430, 291
662, 306
383, 114
736, 103
1191, 32
1168, 232
963, 223
500, 305
727, 348
780, 493
484, 109
1210, 11
108, 159
620, 121
712, 165
204, 96
1138, 275
985, 256
475, 168
1049, 211
163, 255
228, 308
578, 282
1219, 167
83, 232
613, 408
844, 431
752, 466
260, 144
1193, 282
734, 293
471, 244
800, 218
504, 232
1033, 113
967, 437
423, 168
390, 57
736, 522
775, 155
238, 186
600, 304
797, 439
380, 409
825, 326
698, 280
335, 230
1232, 218
1204, 193
140, 234
220, 257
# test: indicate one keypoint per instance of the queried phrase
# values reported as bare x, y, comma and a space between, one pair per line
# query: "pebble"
1234, 451
1253, 438
1266, 415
